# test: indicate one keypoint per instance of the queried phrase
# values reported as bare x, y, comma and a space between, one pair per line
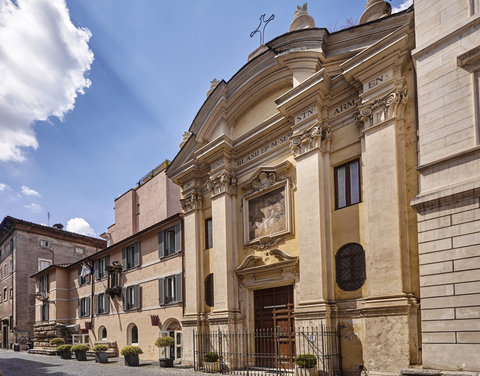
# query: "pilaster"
310, 148
224, 220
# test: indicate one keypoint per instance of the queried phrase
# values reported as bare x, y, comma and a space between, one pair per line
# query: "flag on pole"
86, 271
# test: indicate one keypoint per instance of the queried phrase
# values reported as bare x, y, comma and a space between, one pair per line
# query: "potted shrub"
210, 362
131, 355
65, 351
80, 352
164, 342
306, 365
57, 342
101, 355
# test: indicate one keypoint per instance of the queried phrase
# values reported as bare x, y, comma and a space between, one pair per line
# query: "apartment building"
136, 291
26, 248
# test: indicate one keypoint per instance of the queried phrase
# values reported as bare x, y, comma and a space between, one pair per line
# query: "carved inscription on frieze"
378, 80
344, 107
264, 149
217, 164
306, 114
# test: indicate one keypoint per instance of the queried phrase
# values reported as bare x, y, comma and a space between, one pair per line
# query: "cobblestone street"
23, 364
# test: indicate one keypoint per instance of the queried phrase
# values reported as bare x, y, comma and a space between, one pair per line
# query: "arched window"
102, 333
350, 267
209, 290
132, 335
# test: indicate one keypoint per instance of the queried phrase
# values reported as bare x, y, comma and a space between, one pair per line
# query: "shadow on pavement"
19, 366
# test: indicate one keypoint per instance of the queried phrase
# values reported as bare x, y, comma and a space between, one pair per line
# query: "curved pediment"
266, 259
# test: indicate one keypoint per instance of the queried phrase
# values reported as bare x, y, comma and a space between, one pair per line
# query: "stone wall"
43, 333
450, 284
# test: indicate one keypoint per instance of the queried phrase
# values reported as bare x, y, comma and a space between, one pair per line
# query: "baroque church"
296, 178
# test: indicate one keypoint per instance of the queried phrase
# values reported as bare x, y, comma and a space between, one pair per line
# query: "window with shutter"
347, 184
131, 256
350, 267
84, 307
170, 241
132, 297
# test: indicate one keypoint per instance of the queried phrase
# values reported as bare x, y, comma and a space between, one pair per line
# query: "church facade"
296, 179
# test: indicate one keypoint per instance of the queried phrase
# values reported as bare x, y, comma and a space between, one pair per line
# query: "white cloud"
3, 187
43, 59
29, 191
405, 5
33, 206
80, 226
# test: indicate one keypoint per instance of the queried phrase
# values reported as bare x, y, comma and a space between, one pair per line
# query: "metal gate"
237, 352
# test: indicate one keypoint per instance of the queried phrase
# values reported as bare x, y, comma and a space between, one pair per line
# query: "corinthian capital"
223, 183
382, 109
315, 137
191, 202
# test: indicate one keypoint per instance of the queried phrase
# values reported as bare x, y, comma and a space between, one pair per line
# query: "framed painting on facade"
267, 214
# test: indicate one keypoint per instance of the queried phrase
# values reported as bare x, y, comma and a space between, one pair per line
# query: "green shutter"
161, 291
137, 296
124, 296
161, 244
106, 303
124, 258
178, 237
95, 303
136, 254
179, 287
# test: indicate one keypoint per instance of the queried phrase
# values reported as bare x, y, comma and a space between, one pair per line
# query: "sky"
94, 94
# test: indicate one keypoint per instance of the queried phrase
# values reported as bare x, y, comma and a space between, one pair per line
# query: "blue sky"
101, 91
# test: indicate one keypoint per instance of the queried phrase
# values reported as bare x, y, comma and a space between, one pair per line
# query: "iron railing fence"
268, 351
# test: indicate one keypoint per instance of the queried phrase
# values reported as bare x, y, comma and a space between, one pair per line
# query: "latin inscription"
305, 115
217, 164
264, 149
380, 79
343, 107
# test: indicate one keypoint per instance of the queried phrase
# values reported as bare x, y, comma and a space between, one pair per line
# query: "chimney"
58, 226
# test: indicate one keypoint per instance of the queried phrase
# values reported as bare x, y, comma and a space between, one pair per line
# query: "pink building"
136, 292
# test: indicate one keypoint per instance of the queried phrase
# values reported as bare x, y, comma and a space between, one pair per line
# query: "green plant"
80, 348
131, 350
210, 357
306, 361
62, 348
166, 341
100, 348
57, 341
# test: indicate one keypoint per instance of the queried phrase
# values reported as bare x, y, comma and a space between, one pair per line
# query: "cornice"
316, 86
387, 50
467, 25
